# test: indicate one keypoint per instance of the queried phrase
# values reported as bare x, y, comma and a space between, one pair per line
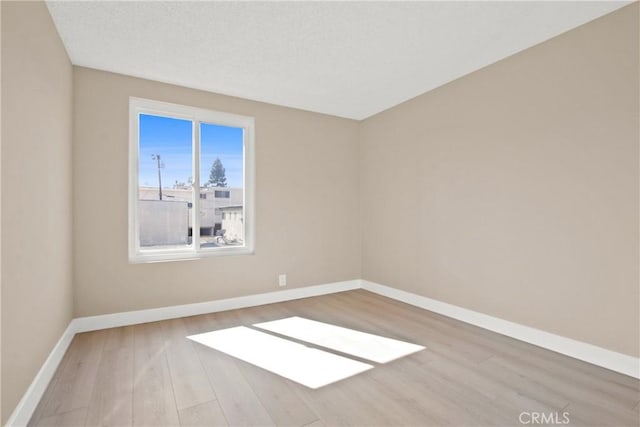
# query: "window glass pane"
165, 193
222, 179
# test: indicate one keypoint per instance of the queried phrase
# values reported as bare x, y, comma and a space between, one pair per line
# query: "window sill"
166, 256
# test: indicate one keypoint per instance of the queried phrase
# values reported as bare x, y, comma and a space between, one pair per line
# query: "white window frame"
139, 106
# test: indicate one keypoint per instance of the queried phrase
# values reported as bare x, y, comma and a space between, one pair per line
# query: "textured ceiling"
349, 59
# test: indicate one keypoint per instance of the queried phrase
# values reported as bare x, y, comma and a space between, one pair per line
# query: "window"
176, 152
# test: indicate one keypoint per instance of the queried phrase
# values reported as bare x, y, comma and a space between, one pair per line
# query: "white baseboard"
599, 356
618, 362
93, 323
27, 405
24, 410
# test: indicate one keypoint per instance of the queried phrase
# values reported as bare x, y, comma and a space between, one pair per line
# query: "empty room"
315, 214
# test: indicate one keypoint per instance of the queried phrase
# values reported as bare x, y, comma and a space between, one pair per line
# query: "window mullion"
195, 221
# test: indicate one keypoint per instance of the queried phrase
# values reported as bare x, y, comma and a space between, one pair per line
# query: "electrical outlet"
282, 280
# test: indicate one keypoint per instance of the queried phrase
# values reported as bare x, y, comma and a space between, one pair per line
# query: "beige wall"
306, 202
36, 194
512, 191
517, 188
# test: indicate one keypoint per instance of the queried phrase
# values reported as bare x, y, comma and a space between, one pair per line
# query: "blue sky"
171, 139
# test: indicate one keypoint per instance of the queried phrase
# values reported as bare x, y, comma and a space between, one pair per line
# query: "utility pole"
157, 157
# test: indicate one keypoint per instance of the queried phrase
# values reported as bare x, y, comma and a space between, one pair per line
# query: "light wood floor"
151, 375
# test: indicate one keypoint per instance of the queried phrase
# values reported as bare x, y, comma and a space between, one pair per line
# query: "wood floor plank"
443, 396
399, 325
49, 392
468, 342
588, 414
355, 401
112, 398
623, 388
277, 394
42, 407
74, 386
208, 414
344, 405
445, 369
153, 400
572, 391
75, 418
524, 385
505, 346
190, 384
465, 376
446, 344
486, 383
239, 402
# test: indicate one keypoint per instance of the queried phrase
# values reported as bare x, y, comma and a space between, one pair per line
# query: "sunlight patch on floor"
359, 344
308, 366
